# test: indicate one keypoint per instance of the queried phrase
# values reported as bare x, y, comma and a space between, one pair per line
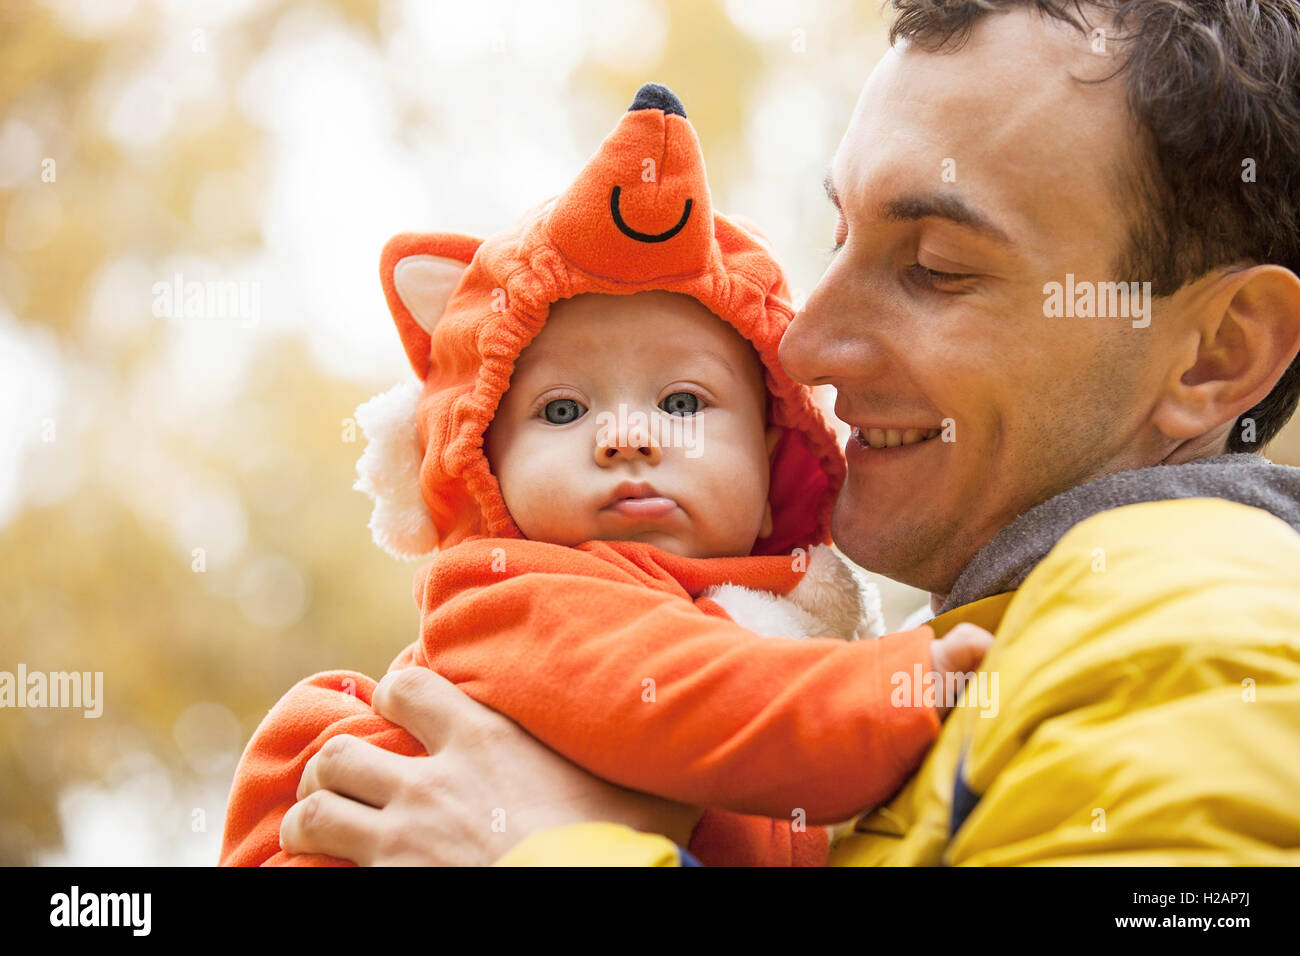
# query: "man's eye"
932, 278
841, 233
681, 403
561, 411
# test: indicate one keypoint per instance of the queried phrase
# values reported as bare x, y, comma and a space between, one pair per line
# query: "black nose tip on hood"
656, 96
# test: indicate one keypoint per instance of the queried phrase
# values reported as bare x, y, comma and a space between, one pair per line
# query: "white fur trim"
872, 621
389, 471
832, 599
764, 613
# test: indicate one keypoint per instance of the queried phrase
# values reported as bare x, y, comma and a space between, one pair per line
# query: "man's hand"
485, 785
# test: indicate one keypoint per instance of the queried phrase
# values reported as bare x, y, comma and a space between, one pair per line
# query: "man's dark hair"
1215, 84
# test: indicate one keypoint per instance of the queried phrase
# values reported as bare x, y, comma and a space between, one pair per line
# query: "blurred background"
175, 475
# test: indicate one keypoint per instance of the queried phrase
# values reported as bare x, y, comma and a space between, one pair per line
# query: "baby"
626, 493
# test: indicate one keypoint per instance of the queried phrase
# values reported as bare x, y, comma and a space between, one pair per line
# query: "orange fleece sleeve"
723, 838
338, 702
645, 689
266, 780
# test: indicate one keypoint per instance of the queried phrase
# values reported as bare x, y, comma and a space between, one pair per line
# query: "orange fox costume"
631, 661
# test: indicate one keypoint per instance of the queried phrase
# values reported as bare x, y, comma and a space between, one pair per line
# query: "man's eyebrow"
942, 206
829, 185
926, 206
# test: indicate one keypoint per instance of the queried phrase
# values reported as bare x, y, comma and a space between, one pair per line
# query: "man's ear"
1247, 334
420, 272
774, 433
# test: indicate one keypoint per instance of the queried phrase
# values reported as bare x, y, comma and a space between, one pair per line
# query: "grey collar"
1005, 562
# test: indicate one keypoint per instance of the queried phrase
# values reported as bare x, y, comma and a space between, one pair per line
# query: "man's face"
993, 164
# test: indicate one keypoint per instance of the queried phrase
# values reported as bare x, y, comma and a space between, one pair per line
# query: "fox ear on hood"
420, 271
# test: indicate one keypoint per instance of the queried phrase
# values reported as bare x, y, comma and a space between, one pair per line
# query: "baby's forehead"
612, 343
644, 324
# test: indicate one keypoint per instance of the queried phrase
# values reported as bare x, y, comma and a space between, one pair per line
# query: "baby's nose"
631, 442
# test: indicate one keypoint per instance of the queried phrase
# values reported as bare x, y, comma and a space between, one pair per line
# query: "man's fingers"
326, 823
353, 768
426, 704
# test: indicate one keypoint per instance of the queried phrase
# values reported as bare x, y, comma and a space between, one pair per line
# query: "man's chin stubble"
927, 555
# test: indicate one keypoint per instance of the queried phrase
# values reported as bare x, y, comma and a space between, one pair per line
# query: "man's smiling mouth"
878, 438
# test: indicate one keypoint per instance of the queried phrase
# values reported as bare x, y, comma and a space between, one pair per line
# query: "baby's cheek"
536, 474
737, 502
548, 513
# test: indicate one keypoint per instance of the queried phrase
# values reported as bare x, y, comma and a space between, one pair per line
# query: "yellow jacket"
1147, 712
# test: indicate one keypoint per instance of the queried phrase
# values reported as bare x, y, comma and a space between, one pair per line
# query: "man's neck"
1210, 445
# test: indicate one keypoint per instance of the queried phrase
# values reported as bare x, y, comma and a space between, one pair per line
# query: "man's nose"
631, 443
831, 339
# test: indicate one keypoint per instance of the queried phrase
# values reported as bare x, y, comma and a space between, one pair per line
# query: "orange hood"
638, 217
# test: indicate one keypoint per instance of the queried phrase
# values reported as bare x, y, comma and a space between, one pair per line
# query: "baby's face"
636, 418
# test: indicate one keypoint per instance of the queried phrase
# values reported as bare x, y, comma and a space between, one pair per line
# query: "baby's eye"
681, 403
561, 411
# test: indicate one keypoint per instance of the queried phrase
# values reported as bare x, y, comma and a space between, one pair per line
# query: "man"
1094, 499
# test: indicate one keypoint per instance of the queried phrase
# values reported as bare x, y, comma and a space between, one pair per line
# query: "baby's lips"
644, 508
640, 209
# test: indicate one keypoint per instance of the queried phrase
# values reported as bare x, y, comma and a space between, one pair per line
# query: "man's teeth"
892, 437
